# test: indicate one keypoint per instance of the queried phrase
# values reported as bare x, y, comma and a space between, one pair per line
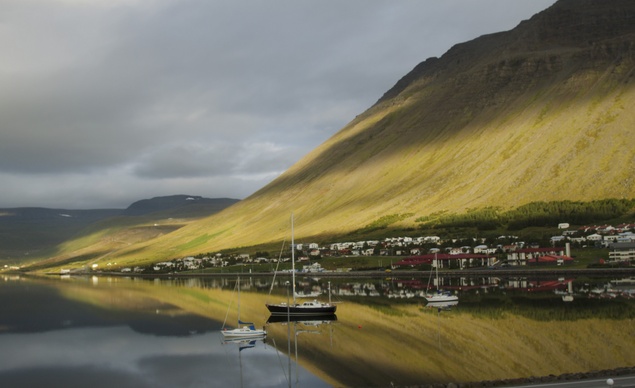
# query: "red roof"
549, 259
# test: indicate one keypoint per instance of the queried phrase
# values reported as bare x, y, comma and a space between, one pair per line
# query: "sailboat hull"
441, 298
244, 333
302, 309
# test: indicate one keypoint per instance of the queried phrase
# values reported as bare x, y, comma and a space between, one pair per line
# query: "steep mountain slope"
541, 112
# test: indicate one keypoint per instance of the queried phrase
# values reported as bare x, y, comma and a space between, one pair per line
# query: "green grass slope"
99, 235
539, 113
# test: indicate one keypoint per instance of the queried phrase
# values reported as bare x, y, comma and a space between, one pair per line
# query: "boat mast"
292, 260
238, 286
436, 259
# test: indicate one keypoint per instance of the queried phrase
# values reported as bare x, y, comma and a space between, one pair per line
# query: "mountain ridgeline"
542, 112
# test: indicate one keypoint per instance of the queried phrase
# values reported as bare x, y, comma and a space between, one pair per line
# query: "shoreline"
565, 377
630, 271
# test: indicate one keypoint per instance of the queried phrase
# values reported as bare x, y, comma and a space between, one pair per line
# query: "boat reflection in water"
295, 326
307, 320
443, 305
241, 344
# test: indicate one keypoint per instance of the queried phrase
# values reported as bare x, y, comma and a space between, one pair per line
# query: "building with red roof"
443, 260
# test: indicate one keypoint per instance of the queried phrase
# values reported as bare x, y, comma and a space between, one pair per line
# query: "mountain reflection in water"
133, 332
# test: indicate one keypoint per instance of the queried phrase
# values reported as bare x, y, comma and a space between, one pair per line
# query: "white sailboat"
440, 297
245, 330
308, 308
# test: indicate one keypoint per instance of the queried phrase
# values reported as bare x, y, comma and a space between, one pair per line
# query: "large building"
539, 256
442, 260
622, 252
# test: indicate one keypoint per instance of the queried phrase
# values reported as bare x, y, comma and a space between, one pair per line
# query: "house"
626, 237
578, 240
622, 252
525, 256
556, 239
314, 267
605, 229
484, 249
455, 251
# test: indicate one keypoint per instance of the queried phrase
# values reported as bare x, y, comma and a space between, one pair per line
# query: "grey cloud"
213, 96
214, 160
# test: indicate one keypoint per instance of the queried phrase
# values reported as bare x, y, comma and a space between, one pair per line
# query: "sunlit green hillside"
539, 113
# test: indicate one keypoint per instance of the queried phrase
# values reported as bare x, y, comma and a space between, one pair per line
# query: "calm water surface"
166, 332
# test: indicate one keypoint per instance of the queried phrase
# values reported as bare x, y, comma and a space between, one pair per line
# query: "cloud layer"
103, 103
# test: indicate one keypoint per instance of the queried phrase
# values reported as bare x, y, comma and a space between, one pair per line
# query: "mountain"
180, 205
537, 113
31, 233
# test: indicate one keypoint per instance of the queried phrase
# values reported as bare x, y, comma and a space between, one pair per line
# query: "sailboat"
308, 308
439, 297
245, 330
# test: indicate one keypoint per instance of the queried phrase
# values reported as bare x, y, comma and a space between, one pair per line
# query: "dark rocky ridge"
536, 48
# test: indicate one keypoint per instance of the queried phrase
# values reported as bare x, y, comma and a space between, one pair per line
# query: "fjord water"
127, 332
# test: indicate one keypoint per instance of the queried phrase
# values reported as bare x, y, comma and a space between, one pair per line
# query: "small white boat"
439, 297
442, 305
246, 330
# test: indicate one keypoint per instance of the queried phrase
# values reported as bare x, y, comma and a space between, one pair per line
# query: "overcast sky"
105, 102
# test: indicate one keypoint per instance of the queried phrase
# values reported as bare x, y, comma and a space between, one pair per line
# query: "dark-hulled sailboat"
308, 308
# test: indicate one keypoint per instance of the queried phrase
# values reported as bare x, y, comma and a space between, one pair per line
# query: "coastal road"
619, 381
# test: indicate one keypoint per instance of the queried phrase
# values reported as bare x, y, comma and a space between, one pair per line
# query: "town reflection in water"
166, 332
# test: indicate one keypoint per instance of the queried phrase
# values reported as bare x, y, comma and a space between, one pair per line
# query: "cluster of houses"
596, 235
434, 251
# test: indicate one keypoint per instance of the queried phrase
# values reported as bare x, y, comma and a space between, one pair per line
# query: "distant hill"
542, 112
183, 204
31, 233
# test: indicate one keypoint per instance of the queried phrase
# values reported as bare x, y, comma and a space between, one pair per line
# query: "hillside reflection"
384, 333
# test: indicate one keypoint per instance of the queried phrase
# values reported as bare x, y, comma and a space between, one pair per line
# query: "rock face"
585, 33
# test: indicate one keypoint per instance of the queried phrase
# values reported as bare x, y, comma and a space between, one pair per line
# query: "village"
411, 252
